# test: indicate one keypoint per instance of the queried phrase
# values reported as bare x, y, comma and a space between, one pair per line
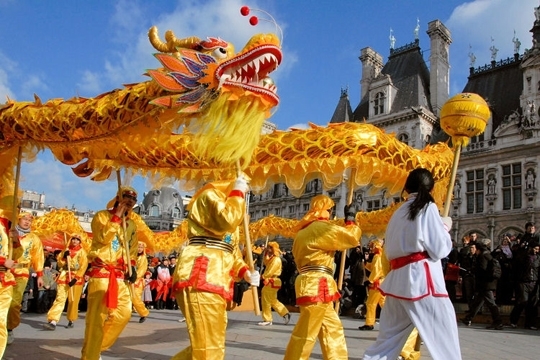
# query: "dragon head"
194, 70
218, 90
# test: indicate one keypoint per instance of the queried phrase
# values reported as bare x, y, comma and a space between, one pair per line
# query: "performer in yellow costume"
69, 283
142, 267
378, 268
208, 266
272, 284
313, 250
7, 280
109, 298
27, 252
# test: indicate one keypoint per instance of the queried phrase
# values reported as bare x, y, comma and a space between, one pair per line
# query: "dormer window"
378, 103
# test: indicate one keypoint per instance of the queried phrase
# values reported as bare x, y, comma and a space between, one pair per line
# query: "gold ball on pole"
463, 116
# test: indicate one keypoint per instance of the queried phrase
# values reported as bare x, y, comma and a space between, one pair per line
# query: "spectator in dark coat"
505, 285
466, 258
485, 287
358, 277
527, 288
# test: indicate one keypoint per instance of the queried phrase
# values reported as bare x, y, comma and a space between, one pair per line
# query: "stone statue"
457, 189
517, 43
530, 179
537, 13
392, 39
359, 199
491, 185
494, 51
472, 59
417, 29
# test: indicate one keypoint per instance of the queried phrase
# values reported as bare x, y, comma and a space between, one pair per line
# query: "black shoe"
366, 327
49, 326
466, 321
70, 324
142, 319
495, 327
531, 327
286, 318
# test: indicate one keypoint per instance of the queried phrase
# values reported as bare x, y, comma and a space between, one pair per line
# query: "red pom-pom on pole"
253, 20
244, 10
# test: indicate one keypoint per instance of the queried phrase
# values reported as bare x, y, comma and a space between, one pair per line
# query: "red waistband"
408, 259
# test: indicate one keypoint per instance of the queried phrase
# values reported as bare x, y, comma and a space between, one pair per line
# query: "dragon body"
295, 158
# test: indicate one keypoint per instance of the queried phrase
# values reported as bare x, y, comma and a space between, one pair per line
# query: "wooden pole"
344, 253
450, 190
68, 260
124, 226
15, 205
249, 253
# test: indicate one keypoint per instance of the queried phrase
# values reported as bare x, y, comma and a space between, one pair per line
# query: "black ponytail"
419, 181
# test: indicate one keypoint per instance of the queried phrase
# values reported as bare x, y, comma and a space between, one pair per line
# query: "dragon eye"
220, 53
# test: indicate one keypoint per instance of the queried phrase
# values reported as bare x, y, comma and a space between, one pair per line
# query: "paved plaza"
161, 336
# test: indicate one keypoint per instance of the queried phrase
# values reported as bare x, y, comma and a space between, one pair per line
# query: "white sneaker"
265, 323
10, 338
182, 319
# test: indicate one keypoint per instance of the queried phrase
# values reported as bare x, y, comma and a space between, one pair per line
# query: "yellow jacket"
6, 277
315, 245
272, 272
142, 267
28, 254
78, 263
108, 247
214, 215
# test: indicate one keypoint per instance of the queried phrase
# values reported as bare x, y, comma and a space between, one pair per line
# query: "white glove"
447, 221
241, 184
254, 278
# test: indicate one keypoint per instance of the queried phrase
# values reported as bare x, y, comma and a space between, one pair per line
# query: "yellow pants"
14, 314
6, 293
63, 292
374, 297
206, 319
269, 302
136, 299
408, 352
103, 325
317, 321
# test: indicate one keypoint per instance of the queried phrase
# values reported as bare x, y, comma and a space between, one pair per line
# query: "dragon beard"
229, 131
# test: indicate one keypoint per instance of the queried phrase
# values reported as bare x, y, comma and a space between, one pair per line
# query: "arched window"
176, 212
378, 104
404, 138
154, 210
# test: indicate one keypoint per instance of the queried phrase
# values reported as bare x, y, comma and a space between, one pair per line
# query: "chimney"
372, 64
439, 70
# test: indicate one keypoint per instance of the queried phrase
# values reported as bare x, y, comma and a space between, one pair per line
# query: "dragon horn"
172, 43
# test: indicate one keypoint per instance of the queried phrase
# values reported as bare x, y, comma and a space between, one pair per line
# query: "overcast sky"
62, 49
